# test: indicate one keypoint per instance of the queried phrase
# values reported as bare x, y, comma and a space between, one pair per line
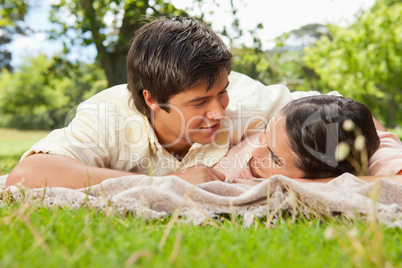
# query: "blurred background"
55, 54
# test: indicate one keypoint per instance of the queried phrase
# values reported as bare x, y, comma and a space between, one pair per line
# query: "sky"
277, 17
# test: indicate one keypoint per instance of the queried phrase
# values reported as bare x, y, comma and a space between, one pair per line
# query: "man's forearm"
40, 170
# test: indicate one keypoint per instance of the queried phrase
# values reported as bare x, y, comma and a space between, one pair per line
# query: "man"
173, 118
178, 80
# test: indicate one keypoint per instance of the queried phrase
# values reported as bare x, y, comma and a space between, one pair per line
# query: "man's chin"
206, 139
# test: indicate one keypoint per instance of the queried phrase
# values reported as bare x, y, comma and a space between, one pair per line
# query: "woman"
302, 142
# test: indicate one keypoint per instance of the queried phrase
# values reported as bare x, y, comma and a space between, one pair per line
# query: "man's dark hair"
168, 56
315, 127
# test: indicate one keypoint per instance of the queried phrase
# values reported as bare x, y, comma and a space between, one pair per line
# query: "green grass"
7, 163
34, 236
59, 237
15, 142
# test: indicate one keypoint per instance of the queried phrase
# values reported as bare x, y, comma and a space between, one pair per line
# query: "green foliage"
282, 64
12, 14
275, 66
109, 25
364, 61
41, 93
254, 63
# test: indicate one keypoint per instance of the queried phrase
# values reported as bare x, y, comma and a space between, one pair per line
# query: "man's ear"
152, 104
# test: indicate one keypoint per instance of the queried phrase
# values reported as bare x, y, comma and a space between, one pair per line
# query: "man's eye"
200, 103
223, 91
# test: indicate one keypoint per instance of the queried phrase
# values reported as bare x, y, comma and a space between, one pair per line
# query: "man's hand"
199, 174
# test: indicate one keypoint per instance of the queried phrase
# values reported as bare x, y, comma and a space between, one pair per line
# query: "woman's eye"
274, 157
223, 91
275, 160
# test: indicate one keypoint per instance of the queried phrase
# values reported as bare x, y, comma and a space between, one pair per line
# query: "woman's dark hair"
315, 127
168, 56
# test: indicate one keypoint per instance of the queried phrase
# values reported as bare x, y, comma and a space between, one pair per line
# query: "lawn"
13, 143
35, 236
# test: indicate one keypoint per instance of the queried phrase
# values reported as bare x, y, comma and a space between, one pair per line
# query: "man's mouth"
212, 128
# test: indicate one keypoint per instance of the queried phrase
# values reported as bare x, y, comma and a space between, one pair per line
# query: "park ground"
37, 236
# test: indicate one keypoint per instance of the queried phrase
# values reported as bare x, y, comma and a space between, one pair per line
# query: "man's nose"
216, 111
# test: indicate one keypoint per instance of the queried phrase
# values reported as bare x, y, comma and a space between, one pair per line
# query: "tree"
304, 36
42, 92
255, 63
364, 60
110, 25
12, 14
282, 64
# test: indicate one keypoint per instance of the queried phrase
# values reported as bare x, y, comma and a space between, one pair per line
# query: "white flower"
348, 125
353, 233
329, 233
360, 143
341, 151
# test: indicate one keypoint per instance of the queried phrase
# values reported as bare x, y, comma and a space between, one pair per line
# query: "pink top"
388, 158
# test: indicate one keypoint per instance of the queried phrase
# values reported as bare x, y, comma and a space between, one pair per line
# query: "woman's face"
274, 155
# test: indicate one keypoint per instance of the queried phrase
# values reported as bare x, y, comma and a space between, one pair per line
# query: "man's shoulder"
242, 83
236, 78
116, 93
116, 100
253, 95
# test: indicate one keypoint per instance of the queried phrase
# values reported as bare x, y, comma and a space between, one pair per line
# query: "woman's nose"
257, 152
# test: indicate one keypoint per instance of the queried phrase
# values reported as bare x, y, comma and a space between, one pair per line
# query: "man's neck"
177, 147
178, 150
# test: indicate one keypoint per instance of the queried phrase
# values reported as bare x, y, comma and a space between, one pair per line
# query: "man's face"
194, 115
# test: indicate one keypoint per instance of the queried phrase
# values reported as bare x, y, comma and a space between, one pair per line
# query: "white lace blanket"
156, 197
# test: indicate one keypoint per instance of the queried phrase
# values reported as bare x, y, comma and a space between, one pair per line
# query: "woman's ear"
152, 104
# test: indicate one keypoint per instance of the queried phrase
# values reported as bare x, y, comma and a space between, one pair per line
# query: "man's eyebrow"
198, 99
206, 97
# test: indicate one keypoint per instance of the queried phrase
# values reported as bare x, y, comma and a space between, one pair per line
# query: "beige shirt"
108, 132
